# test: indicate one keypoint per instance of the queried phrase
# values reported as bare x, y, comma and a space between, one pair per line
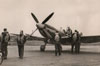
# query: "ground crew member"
77, 45
58, 47
76, 41
21, 39
5, 37
69, 32
79, 42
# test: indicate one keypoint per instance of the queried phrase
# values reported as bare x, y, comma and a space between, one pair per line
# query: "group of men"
75, 41
21, 39
5, 37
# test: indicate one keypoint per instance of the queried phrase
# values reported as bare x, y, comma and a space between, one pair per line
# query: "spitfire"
48, 32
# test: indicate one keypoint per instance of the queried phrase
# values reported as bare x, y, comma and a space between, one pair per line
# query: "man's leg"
22, 51
6, 52
55, 49
2, 49
72, 49
76, 47
59, 49
19, 50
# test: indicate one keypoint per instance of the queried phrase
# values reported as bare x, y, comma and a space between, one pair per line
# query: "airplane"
48, 32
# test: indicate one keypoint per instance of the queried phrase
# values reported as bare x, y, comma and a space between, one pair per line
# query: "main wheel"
42, 48
1, 58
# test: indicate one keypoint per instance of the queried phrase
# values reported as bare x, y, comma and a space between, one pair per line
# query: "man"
79, 42
69, 32
62, 30
58, 47
5, 37
76, 41
21, 39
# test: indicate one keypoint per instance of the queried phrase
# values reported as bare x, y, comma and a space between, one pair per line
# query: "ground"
89, 56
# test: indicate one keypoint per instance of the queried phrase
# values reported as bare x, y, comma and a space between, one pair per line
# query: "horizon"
83, 15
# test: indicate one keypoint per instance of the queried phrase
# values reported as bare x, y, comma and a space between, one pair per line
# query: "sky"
83, 15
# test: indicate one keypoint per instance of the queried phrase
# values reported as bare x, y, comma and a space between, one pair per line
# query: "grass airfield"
89, 55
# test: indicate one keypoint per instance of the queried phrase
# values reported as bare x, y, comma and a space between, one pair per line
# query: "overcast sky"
83, 15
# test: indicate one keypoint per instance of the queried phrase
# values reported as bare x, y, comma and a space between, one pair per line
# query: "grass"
38, 43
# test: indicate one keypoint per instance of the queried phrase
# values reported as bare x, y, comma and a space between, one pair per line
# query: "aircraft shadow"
67, 52
82, 52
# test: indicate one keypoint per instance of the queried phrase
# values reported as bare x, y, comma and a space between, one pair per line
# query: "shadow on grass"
67, 52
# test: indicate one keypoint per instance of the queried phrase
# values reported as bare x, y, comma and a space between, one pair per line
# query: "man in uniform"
69, 32
5, 37
58, 47
79, 42
21, 39
76, 41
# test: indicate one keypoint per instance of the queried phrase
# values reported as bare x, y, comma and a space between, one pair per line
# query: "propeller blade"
33, 32
47, 18
28, 36
35, 18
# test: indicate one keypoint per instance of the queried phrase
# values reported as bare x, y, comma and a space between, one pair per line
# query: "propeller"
42, 22
48, 18
35, 18
28, 36
33, 32
36, 22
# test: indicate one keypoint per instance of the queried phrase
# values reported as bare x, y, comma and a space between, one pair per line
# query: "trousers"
21, 51
4, 49
58, 49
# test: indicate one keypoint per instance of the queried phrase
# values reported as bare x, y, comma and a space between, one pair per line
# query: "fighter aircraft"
48, 32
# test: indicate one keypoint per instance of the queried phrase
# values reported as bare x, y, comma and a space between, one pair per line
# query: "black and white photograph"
49, 32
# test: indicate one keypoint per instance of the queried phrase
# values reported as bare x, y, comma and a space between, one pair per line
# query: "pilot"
5, 37
69, 32
76, 41
21, 39
62, 30
58, 47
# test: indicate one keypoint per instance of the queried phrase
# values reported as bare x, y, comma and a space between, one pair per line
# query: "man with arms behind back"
5, 37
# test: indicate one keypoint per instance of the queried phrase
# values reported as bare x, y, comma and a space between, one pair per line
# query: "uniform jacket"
75, 37
57, 37
21, 39
5, 37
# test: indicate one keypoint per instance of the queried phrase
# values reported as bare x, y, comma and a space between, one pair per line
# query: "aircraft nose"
40, 26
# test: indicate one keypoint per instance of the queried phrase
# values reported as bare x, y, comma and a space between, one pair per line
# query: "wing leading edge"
84, 39
90, 39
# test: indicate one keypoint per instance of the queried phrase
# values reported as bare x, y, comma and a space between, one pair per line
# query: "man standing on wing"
69, 32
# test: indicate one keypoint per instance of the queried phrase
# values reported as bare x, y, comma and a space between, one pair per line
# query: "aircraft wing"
84, 39
65, 40
90, 39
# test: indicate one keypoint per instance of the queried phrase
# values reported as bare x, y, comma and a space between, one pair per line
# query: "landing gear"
42, 48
